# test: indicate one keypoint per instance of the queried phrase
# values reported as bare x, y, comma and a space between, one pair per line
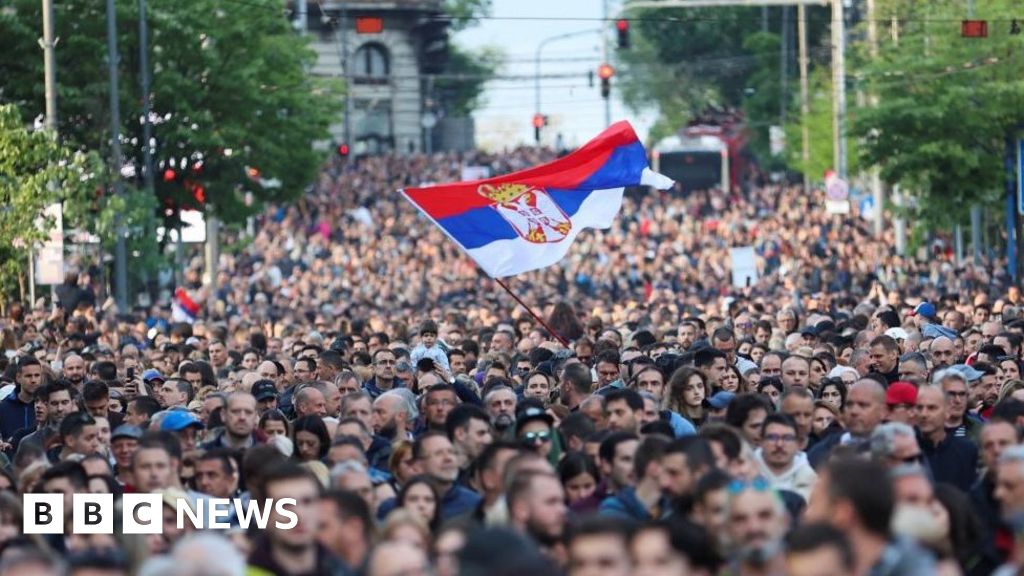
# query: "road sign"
837, 195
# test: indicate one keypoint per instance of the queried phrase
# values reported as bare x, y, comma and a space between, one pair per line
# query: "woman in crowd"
687, 390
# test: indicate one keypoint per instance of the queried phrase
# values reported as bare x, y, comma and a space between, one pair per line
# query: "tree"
820, 137
231, 89
35, 172
464, 13
946, 105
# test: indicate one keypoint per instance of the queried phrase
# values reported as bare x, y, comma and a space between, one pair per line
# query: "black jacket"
952, 461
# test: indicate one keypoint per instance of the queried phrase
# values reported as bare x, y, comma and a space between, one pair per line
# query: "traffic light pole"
604, 49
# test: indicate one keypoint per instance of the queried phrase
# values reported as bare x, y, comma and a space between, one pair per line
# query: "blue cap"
177, 420
968, 373
151, 374
926, 309
721, 399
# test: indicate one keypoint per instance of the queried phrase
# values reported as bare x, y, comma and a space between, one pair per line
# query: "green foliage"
35, 171
226, 77
465, 13
468, 71
946, 106
819, 122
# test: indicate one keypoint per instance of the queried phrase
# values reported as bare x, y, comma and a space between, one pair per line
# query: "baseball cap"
935, 330
926, 309
968, 373
177, 420
720, 399
151, 375
264, 390
897, 333
531, 414
900, 392
126, 431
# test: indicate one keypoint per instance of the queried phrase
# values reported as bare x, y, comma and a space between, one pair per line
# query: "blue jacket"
680, 426
15, 414
625, 504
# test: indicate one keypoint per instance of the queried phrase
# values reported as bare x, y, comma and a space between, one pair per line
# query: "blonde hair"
1008, 388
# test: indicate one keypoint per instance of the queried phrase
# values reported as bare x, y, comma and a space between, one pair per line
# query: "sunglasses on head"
757, 484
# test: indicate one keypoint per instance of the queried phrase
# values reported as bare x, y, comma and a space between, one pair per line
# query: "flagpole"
536, 317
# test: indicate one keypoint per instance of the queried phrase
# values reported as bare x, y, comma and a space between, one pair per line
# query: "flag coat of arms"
527, 220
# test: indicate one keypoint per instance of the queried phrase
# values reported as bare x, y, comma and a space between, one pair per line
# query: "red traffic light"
605, 71
343, 149
622, 25
369, 25
974, 29
538, 121
169, 175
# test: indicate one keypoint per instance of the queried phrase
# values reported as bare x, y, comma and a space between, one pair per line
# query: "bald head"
865, 407
870, 386
942, 351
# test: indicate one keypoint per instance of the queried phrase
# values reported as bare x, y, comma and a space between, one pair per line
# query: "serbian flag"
528, 220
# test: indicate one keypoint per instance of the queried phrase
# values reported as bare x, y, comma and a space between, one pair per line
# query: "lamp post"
536, 73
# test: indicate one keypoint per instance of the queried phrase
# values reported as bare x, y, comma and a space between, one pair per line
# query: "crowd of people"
853, 412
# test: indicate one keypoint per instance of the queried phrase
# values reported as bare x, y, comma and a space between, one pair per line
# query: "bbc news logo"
143, 513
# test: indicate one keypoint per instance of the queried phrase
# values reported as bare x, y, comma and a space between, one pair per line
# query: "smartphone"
131, 374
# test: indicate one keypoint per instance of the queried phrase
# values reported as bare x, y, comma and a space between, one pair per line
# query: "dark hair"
780, 419
314, 425
608, 357
53, 387
490, 452
352, 505
435, 521
658, 426
460, 417
417, 445
73, 471
707, 356
690, 540
696, 449
741, 406
631, 397
817, 535
163, 440
610, 444
857, 481
147, 404
964, 524
574, 464
649, 450
729, 437
93, 391
287, 471
226, 457
73, 423
579, 377
576, 425
602, 526
838, 384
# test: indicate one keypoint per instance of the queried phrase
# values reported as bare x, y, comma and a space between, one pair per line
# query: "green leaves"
35, 172
946, 106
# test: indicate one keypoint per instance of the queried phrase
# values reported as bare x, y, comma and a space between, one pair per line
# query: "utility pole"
784, 67
50, 65
604, 52
839, 89
877, 193
342, 29
120, 252
147, 130
805, 104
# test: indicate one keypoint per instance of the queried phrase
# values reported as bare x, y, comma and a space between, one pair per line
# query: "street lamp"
536, 73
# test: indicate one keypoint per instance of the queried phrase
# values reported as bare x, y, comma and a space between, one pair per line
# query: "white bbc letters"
143, 513
92, 514
44, 514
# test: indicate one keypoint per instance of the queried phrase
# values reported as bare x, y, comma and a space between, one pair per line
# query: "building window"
371, 64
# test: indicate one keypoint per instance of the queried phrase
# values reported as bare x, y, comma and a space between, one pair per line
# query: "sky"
574, 109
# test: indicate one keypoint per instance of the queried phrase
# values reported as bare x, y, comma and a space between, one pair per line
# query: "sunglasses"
757, 484
536, 437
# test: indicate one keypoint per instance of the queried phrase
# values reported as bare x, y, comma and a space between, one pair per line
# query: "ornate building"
390, 68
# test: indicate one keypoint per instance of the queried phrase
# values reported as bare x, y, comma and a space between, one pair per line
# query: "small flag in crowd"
528, 220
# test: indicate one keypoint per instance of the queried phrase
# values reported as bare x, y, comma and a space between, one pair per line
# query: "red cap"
901, 393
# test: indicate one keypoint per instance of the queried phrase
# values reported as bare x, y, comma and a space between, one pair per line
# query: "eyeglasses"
535, 437
775, 438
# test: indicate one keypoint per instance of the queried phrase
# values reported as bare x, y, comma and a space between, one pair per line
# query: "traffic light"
539, 121
343, 150
432, 34
605, 72
622, 27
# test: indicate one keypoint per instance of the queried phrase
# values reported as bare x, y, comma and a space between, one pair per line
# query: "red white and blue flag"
528, 219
